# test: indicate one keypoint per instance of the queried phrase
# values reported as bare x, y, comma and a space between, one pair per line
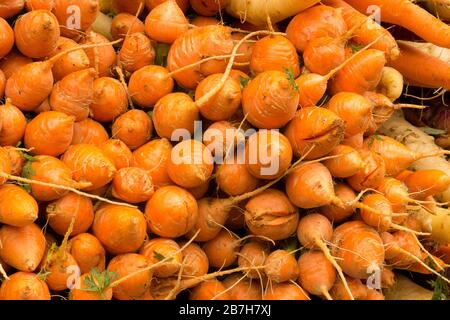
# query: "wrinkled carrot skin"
183, 4
6, 38
88, 13
24, 286
410, 16
124, 23
130, 6
221, 251
110, 99
134, 128
421, 68
137, 51
13, 124
82, 293
100, 58
87, 251
12, 62
10, 8
424, 183
285, 291
367, 32
17, 207
118, 152
132, 185
316, 273
90, 132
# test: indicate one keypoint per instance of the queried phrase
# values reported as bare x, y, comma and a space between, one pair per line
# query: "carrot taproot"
13, 124
87, 251
195, 261
133, 185
285, 291
191, 164
60, 265
22, 247
110, 100
154, 156
12, 62
242, 288
347, 164
101, 58
436, 31
83, 291
36, 33
223, 137
316, 274
6, 38
89, 131
171, 212
357, 288
71, 62
24, 286
157, 249
222, 250
315, 22
354, 109
134, 128
424, 183
208, 7
2, 83
340, 213
314, 128
119, 229
226, 174
16, 158
49, 133
71, 206
361, 74
192, 46
274, 53
130, 6
166, 22
281, 266
40, 5
371, 175
209, 290
183, 4
136, 286
174, 111
118, 152
88, 11
10, 8
358, 249
19, 209
89, 164
268, 154
125, 23
253, 254
271, 214
270, 100
137, 51
421, 68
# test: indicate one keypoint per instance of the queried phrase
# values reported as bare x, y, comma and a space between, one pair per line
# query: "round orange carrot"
120, 229
195, 261
134, 128
340, 213
70, 62
191, 164
125, 23
83, 292
154, 156
132, 185
316, 274
88, 10
166, 22
110, 99
13, 62
174, 111
71, 206
40, 5
13, 124
24, 286
314, 132
130, 6
281, 266
137, 51
285, 291
272, 215
208, 7
222, 250
17, 160
100, 58
234, 178
6, 38
208, 290
183, 4
88, 252
245, 289
36, 33
171, 212
270, 100
17, 207
118, 152
253, 254
49, 133
22, 247
158, 249
371, 175
89, 164
10, 8
89, 132
5, 164
347, 163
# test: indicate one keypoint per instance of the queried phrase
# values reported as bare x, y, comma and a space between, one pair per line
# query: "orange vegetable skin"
89, 132
24, 286
132, 185
120, 229
6, 38
88, 13
87, 251
136, 52
125, 23
118, 152
70, 62
13, 124
134, 128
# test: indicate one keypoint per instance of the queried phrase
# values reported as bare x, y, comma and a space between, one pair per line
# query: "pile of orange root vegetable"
220, 149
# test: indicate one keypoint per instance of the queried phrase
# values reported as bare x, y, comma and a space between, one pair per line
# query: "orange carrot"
274, 53
371, 175
13, 124
174, 111
195, 261
314, 130
208, 7
71, 206
145, 95
89, 132
222, 250
425, 183
245, 289
281, 266
347, 164
110, 99
156, 250
171, 212
166, 22
101, 58
125, 23
6, 38
183, 4
137, 51
36, 33
234, 178
340, 213
18, 208
13, 62
134, 128
88, 11
253, 254
118, 152
130, 6
208, 290
71, 62
17, 160
119, 229
40, 5
270, 100
89, 164
22, 247
285, 291
88, 252
10, 8
85, 292
24, 286
132, 185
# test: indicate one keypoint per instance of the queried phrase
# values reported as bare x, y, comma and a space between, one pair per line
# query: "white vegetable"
102, 25
431, 49
256, 11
